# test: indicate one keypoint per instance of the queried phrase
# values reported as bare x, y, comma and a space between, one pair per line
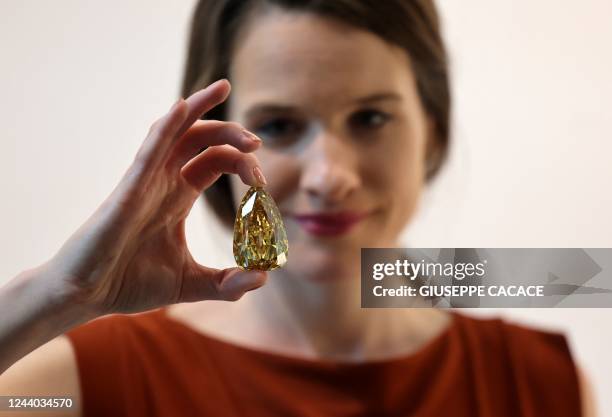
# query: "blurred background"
81, 81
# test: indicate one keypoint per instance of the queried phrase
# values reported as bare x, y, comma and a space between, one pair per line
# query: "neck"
325, 320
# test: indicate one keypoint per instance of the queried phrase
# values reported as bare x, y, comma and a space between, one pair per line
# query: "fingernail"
259, 175
250, 136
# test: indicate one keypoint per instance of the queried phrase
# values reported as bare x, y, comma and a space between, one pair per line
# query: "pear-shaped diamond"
260, 239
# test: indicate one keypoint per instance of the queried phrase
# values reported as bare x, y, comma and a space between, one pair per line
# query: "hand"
131, 254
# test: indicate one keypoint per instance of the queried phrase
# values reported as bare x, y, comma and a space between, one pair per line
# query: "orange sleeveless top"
152, 365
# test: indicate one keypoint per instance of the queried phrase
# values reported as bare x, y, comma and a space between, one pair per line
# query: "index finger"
198, 103
203, 101
166, 131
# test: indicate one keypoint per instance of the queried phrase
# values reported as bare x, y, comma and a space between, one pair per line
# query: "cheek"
282, 171
395, 175
406, 189
397, 164
407, 181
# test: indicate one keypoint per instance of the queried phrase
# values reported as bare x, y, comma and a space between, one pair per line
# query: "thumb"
230, 284
237, 281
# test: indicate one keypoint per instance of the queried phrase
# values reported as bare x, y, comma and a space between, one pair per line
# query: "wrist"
35, 308
46, 299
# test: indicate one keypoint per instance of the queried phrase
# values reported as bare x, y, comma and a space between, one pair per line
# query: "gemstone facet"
260, 239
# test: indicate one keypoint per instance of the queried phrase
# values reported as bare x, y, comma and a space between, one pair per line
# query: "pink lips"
329, 224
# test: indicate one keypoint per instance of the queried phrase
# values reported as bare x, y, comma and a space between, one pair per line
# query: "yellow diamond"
260, 240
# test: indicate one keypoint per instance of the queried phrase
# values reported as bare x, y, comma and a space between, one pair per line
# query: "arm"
587, 397
33, 312
50, 370
131, 254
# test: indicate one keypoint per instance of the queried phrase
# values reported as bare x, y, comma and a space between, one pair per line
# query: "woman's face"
344, 135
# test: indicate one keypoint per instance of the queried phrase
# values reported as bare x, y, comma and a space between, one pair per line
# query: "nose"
330, 171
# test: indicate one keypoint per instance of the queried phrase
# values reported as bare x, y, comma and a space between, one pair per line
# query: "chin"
321, 263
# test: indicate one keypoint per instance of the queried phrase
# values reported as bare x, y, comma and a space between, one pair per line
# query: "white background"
81, 81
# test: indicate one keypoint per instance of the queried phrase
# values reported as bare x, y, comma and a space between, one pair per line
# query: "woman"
350, 103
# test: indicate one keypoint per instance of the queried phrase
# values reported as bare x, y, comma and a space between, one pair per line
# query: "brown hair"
411, 24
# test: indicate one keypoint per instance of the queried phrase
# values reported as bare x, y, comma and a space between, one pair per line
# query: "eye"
369, 119
279, 130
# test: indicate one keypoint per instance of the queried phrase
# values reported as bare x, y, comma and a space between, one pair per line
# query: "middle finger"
205, 133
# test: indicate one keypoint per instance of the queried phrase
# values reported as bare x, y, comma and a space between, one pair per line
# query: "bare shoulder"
587, 395
50, 370
545, 354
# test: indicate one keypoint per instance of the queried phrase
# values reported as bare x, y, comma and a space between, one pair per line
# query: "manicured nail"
259, 175
250, 136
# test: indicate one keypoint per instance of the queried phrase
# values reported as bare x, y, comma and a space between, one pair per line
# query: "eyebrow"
378, 97
282, 108
269, 108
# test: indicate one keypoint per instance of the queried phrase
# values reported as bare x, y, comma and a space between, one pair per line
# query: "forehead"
299, 56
